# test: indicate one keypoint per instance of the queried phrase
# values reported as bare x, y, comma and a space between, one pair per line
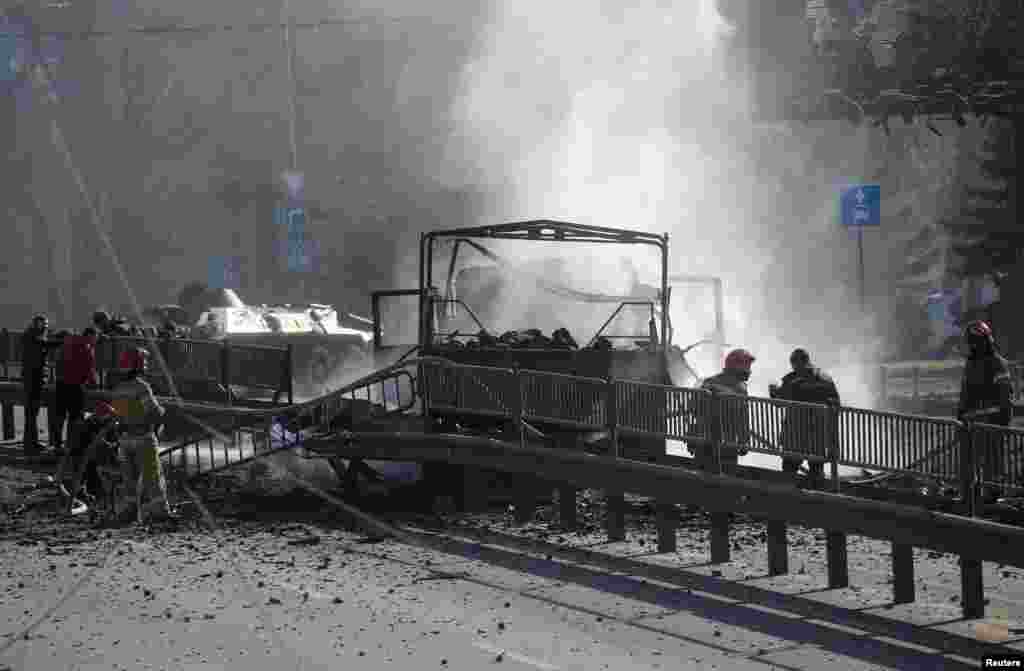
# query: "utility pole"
293, 109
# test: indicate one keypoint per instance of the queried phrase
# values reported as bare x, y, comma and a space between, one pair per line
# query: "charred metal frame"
544, 230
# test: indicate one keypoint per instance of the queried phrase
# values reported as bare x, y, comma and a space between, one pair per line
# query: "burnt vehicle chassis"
596, 358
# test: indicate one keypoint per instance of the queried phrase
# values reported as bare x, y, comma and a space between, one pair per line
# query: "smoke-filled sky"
411, 120
625, 116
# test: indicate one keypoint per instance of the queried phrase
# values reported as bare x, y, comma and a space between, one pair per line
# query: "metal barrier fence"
681, 418
478, 390
935, 380
854, 437
576, 402
900, 443
999, 454
259, 367
221, 362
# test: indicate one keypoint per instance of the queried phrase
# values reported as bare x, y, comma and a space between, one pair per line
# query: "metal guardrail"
251, 436
999, 455
219, 362
934, 379
890, 442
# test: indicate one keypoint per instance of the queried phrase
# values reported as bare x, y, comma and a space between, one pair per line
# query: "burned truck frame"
645, 363
645, 359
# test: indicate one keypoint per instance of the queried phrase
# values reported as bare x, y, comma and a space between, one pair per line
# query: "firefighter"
807, 384
734, 433
139, 413
986, 394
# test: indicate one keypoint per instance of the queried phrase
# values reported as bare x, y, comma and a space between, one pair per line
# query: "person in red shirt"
77, 370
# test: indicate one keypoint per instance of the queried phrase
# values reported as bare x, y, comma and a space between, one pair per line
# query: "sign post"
861, 206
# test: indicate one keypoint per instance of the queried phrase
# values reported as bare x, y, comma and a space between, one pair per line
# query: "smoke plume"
627, 117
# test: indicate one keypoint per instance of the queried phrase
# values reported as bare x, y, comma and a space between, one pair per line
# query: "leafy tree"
988, 235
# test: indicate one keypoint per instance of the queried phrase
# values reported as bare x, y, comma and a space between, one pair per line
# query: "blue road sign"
8, 56
225, 273
861, 205
300, 251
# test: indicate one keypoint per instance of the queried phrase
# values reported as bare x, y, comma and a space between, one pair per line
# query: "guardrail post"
835, 541
525, 500
615, 520
719, 538
902, 573
838, 564
719, 520
972, 598
778, 550
8, 421
972, 588
667, 521
566, 492
917, 383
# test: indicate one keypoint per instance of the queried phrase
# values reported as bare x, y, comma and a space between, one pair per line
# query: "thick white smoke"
625, 117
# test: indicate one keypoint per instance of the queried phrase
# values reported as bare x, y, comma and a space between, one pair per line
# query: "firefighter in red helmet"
734, 434
986, 395
140, 414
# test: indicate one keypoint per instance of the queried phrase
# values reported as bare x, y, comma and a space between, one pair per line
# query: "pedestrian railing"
933, 380
242, 436
929, 447
188, 361
998, 455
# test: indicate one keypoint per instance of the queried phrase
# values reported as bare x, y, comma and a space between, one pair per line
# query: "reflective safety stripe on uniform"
140, 456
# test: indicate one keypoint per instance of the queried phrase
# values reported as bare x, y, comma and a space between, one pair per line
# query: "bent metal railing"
239, 436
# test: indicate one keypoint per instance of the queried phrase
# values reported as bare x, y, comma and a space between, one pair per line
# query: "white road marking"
523, 659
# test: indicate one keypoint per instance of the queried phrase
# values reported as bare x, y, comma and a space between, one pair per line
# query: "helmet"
978, 329
978, 336
104, 410
133, 359
739, 359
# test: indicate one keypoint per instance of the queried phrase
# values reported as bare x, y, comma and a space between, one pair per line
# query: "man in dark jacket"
986, 394
34, 350
58, 412
807, 384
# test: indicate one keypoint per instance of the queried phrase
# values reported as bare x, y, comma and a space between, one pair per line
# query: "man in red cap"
732, 435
